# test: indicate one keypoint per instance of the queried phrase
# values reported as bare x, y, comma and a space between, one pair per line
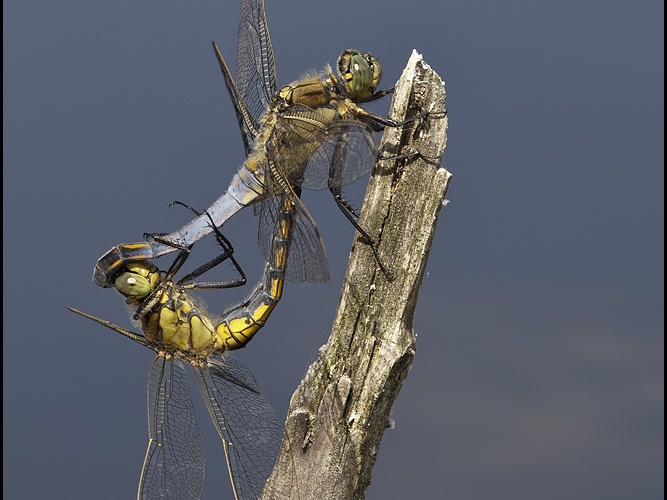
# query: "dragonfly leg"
379, 94
414, 153
161, 237
378, 122
352, 216
150, 301
152, 298
411, 154
227, 253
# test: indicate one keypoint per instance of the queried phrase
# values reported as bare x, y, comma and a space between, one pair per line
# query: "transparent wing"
255, 82
306, 259
174, 466
247, 123
315, 153
255, 63
248, 426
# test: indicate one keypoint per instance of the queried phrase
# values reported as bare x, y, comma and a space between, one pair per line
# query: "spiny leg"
352, 216
228, 253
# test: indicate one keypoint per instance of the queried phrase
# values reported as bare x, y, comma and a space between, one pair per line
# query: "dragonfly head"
361, 74
138, 281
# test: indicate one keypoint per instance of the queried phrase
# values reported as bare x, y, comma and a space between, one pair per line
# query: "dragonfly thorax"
178, 325
313, 93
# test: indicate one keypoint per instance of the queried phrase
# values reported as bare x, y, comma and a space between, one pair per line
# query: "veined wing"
248, 124
315, 153
306, 259
174, 466
255, 83
255, 63
248, 426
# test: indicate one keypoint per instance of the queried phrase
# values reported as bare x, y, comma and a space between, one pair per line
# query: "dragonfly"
309, 134
176, 327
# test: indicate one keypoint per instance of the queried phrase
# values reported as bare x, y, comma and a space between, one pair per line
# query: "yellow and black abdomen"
240, 324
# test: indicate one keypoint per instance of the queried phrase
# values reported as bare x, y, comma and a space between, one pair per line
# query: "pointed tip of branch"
416, 58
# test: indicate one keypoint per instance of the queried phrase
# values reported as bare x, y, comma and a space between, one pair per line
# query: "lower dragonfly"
180, 332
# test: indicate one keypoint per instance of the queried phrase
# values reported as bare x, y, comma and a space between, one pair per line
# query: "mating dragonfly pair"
310, 134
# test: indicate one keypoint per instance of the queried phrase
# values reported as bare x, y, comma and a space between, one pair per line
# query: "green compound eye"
133, 285
361, 73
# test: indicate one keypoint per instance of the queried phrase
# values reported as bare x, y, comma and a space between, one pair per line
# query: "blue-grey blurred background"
539, 370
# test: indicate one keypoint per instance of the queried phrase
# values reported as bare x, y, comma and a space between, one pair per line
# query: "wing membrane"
313, 153
306, 259
255, 84
248, 124
248, 426
255, 63
174, 466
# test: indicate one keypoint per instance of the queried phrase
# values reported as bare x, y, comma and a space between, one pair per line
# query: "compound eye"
133, 285
375, 65
345, 59
361, 73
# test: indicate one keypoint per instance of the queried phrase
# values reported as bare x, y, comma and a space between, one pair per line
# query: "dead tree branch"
339, 412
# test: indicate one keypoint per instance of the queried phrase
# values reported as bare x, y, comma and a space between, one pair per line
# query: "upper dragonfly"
308, 134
